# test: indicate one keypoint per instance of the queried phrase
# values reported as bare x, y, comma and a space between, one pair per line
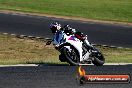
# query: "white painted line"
113, 47
13, 34
48, 39
5, 33
19, 65
23, 35
120, 47
125, 63
105, 45
31, 36
35, 65
38, 37
109, 64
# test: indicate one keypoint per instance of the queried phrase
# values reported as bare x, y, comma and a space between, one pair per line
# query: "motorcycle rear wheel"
99, 59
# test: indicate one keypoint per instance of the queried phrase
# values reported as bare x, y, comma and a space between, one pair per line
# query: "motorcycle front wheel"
71, 55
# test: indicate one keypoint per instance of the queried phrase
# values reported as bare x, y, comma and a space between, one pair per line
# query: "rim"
72, 56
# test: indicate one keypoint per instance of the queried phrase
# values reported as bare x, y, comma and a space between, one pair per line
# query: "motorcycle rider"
56, 29
89, 53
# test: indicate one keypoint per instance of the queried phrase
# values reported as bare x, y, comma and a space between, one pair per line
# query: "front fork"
87, 51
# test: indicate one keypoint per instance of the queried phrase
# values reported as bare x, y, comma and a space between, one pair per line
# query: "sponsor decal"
72, 38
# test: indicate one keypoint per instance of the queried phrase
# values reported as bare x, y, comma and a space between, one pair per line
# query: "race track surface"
57, 76
62, 76
98, 33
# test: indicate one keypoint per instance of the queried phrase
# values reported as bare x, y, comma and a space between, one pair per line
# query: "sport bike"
75, 49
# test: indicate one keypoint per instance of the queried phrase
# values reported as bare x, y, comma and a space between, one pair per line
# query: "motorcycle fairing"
76, 43
72, 38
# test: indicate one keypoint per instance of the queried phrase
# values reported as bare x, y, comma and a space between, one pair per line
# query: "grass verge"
26, 51
112, 10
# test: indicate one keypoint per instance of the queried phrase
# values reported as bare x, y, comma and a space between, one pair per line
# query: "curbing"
5, 33
49, 39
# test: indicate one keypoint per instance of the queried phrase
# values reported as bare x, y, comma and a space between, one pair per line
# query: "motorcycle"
75, 49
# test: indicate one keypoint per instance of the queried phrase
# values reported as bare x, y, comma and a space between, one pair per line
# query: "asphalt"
108, 34
45, 76
57, 76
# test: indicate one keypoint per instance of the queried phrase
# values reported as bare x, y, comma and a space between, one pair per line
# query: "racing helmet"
55, 27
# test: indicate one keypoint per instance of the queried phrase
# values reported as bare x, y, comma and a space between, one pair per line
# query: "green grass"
112, 10
117, 55
25, 51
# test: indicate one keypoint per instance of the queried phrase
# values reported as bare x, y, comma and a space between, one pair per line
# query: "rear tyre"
99, 59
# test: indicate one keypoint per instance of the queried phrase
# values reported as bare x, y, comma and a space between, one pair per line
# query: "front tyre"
62, 58
71, 55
